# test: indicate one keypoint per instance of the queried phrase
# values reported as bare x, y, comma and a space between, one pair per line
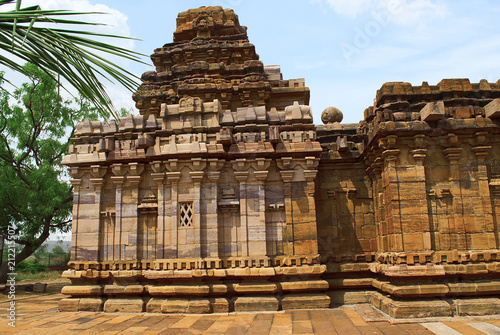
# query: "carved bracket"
240, 164
136, 169
98, 171
172, 165
118, 169
157, 166
261, 164
198, 164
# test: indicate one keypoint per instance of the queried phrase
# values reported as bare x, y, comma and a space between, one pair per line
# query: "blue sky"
345, 49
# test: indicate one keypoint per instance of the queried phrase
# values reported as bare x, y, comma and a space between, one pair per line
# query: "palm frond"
76, 55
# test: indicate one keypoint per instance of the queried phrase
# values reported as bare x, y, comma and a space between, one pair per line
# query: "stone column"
455, 218
375, 173
412, 193
118, 179
196, 177
393, 204
171, 243
288, 231
257, 213
300, 233
96, 217
482, 227
130, 215
76, 183
109, 219
159, 178
306, 234
241, 176
97, 181
495, 203
210, 242
88, 212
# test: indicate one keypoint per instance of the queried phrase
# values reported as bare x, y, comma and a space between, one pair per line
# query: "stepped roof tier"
211, 58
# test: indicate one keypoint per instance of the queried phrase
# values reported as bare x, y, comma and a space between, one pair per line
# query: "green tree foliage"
58, 250
39, 36
34, 136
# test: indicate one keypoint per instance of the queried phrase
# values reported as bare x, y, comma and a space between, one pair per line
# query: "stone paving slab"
38, 314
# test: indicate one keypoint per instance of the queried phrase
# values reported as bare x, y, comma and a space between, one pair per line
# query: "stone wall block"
255, 303
91, 304
127, 305
477, 307
433, 111
154, 305
300, 301
69, 304
492, 110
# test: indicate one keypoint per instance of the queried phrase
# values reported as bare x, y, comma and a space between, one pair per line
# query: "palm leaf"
73, 54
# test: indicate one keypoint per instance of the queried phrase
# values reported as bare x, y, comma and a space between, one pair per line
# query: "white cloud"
406, 12
350, 7
402, 12
113, 21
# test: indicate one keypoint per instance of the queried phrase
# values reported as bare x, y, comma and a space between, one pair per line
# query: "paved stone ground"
38, 314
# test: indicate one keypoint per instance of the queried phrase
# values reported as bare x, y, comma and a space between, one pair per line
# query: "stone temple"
223, 195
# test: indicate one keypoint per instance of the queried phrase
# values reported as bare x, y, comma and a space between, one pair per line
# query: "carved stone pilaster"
390, 157
453, 155
118, 184
95, 215
481, 153
76, 183
241, 177
171, 240
419, 156
197, 177
159, 179
210, 237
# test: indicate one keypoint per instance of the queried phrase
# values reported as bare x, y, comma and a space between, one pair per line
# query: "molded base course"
187, 305
416, 309
90, 298
154, 305
220, 305
341, 297
477, 306
69, 305
299, 301
252, 304
129, 305
180, 305
412, 309
394, 308
91, 304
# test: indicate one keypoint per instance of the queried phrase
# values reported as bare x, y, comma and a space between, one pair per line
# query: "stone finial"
207, 22
331, 115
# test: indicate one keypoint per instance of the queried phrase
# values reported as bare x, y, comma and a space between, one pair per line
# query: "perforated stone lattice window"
185, 214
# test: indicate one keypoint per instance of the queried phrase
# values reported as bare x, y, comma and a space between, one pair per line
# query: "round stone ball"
331, 115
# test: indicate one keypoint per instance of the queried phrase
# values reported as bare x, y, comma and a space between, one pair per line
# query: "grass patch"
38, 276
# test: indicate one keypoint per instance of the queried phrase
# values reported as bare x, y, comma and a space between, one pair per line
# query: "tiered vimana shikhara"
222, 195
